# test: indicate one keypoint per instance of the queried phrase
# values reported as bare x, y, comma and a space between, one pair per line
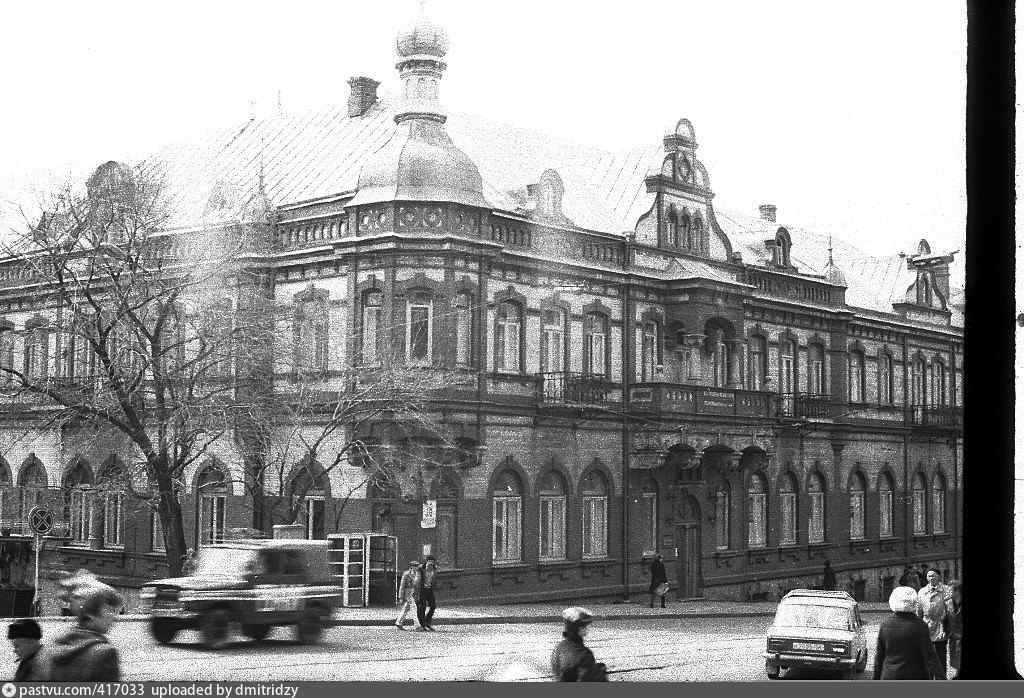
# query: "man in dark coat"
828, 577
905, 649
658, 577
84, 653
572, 660
25, 635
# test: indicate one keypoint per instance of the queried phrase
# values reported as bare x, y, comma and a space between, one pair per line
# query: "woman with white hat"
572, 660
905, 649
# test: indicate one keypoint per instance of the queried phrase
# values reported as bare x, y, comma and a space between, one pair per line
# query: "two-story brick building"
640, 373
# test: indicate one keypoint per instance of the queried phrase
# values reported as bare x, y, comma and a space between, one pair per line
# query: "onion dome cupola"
832, 273
420, 162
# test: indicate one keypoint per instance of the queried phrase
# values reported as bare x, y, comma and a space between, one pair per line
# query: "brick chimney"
767, 212
362, 95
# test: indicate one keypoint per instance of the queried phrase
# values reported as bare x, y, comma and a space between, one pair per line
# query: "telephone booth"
366, 567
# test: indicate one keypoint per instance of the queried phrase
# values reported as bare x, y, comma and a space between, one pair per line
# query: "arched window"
113, 487
371, 330
673, 228
508, 516
918, 502
419, 328
788, 510
885, 379
552, 341
816, 517
595, 358
447, 519
8, 501
757, 505
309, 494
649, 517
33, 482
698, 234
79, 500
507, 337
36, 341
212, 498
787, 375
857, 376
886, 514
857, 494
917, 387
758, 362
939, 503
595, 515
816, 369
6, 354
723, 516
687, 233
650, 350
552, 517
464, 328
311, 335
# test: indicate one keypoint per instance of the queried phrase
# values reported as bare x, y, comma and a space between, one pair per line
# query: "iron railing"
565, 387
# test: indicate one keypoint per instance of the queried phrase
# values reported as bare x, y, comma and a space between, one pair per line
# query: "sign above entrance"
40, 520
429, 518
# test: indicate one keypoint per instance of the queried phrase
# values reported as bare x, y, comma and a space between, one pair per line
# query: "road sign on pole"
40, 520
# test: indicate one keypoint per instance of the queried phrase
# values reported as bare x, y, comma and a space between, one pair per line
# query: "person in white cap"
409, 594
904, 649
572, 660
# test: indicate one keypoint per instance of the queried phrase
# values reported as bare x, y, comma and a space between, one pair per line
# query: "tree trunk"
169, 510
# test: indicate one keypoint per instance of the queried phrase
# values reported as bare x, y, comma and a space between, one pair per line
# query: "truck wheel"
309, 627
256, 632
216, 628
772, 671
163, 632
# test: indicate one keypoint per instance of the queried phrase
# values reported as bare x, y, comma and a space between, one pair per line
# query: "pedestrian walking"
84, 653
956, 624
409, 594
828, 577
910, 578
904, 649
25, 636
571, 659
427, 604
658, 577
934, 608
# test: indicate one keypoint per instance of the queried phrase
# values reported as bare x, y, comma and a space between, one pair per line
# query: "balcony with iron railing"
936, 417
565, 388
806, 406
700, 399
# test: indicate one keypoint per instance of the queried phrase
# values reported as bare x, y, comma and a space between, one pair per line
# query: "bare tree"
139, 338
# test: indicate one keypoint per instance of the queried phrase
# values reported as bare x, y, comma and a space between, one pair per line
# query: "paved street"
668, 649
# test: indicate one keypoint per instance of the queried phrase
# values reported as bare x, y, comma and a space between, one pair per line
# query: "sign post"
40, 520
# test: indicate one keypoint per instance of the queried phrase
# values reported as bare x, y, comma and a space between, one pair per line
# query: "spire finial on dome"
830, 248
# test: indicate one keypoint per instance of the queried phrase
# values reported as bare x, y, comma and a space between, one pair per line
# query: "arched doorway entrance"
688, 547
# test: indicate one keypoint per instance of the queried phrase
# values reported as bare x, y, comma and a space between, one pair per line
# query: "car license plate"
810, 646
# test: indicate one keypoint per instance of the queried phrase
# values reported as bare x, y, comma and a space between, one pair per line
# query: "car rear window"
811, 616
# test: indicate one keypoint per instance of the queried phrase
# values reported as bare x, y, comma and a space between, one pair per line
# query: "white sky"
848, 116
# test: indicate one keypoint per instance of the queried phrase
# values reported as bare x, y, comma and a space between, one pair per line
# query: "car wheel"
163, 632
772, 671
256, 632
309, 627
216, 628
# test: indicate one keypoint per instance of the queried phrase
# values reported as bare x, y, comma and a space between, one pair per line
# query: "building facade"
637, 373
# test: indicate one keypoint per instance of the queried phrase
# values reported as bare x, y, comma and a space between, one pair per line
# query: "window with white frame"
918, 503
551, 492
212, 493
371, 326
788, 510
464, 328
938, 384
419, 328
723, 516
507, 336
35, 352
757, 512
595, 515
596, 343
816, 369
758, 362
552, 341
309, 495
816, 516
113, 484
311, 335
787, 366
917, 387
857, 376
885, 506
885, 379
939, 503
80, 500
507, 503
857, 497
650, 350
649, 517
